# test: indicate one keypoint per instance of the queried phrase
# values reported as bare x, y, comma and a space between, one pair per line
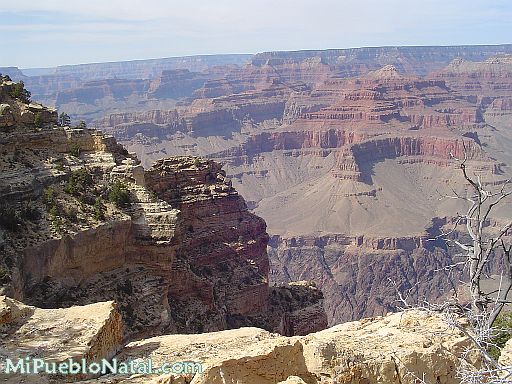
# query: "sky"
47, 33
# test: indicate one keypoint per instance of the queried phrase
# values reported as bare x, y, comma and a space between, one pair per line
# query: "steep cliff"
347, 160
175, 245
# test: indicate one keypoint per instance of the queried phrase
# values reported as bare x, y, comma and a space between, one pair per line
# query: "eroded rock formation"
92, 332
397, 348
175, 245
346, 154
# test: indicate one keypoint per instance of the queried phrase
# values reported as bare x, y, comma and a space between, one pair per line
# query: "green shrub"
9, 219
74, 150
119, 195
82, 124
99, 209
49, 197
503, 325
64, 119
78, 181
55, 218
53, 212
38, 120
59, 164
18, 91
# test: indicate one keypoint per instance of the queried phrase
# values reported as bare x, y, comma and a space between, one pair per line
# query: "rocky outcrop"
92, 332
296, 316
222, 242
15, 107
397, 348
175, 245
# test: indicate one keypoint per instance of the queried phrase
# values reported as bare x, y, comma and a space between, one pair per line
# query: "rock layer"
175, 245
398, 348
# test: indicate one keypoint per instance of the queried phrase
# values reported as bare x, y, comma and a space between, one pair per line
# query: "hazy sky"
40, 33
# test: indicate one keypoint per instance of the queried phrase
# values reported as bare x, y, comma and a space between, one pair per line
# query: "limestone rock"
6, 116
393, 349
293, 380
397, 348
506, 354
93, 332
12, 311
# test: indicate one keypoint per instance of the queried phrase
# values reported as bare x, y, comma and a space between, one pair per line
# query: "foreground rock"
92, 332
397, 348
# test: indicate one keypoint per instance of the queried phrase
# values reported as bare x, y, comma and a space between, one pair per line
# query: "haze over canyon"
346, 153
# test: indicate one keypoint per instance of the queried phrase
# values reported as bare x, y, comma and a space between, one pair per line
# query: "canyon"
133, 221
346, 154
175, 245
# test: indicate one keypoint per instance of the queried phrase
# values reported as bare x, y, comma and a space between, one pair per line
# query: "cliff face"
176, 83
337, 144
215, 222
91, 92
412, 60
175, 246
346, 153
479, 79
360, 276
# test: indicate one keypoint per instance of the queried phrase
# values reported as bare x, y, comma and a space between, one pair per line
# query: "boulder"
92, 332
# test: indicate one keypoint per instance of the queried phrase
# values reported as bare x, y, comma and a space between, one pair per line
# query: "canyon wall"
413, 60
355, 145
175, 246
